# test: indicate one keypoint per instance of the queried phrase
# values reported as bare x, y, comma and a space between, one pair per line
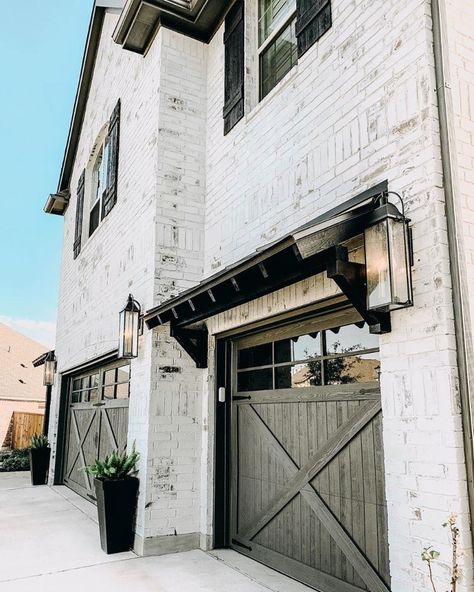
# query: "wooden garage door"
307, 481
97, 422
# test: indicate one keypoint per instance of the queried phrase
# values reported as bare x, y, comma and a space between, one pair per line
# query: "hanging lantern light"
49, 371
388, 258
129, 328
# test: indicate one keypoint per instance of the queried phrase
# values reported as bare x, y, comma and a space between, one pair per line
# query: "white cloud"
43, 332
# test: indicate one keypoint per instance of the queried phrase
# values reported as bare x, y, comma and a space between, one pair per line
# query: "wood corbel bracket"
352, 281
194, 342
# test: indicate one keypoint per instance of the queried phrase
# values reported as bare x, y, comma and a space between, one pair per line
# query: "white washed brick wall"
176, 422
119, 258
360, 107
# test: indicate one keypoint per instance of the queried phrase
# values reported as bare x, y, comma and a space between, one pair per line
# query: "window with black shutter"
79, 215
314, 18
234, 66
103, 195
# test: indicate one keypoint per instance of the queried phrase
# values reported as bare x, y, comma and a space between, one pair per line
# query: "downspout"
462, 321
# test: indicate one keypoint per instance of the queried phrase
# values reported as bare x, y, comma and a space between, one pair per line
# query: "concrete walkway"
49, 542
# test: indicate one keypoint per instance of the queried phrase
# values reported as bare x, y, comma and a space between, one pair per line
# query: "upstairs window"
99, 186
278, 47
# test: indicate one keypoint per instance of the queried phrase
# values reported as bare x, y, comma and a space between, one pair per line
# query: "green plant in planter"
39, 441
116, 489
116, 466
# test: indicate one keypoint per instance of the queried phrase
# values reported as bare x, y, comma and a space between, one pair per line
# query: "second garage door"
97, 422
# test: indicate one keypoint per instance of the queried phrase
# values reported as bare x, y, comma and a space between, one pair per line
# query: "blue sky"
41, 48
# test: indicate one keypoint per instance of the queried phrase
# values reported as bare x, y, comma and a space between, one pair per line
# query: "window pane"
109, 392
255, 380
76, 385
76, 397
94, 218
123, 373
272, 14
110, 376
94, 395
122, 390
298, 375
94, 380
297, 348
261, 355
350, 338
278, 58
363, 368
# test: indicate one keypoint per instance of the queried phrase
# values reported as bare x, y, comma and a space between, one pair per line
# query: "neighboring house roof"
19, 379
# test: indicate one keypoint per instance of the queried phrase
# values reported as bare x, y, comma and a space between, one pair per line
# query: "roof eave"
57, 203
141, 19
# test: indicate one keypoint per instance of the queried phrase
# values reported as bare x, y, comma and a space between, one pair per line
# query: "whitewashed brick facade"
359, 107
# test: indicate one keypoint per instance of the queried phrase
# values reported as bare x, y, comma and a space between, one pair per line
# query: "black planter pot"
116, 506
39, 465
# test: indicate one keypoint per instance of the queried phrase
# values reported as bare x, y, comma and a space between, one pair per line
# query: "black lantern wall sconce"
130, 328
49, 370
388, 256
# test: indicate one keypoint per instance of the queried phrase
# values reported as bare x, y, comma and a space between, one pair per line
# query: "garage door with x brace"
307, 477
97, 422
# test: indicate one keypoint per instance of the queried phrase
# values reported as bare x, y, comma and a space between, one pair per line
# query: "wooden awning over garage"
310, 249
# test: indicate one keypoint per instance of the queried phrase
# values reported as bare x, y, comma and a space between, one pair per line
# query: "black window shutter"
313, 20
112, 142
234, 66
79, 215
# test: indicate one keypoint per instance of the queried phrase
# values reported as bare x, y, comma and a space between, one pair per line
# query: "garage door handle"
241, 398
98, 404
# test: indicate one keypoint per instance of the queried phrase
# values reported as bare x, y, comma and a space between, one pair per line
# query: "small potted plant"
39, 459
116, 488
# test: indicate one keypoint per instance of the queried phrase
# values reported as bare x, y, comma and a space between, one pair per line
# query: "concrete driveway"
49, 542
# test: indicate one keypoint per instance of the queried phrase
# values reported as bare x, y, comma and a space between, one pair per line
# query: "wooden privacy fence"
24, 426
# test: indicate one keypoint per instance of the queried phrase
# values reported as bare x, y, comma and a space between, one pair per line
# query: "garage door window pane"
363, 368
123, 374
109, 376
122, 391
260, 355
255, 380
350, 338
297, 348
298, 375
109, 392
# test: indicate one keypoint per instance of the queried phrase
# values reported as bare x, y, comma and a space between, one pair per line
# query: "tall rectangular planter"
39, 465
116, 507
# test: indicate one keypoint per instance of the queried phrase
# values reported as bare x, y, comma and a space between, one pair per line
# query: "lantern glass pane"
128, 344
399, 264
49, 372
379, 293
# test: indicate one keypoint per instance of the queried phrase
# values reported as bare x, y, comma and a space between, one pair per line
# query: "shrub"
14, 460
115, 466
